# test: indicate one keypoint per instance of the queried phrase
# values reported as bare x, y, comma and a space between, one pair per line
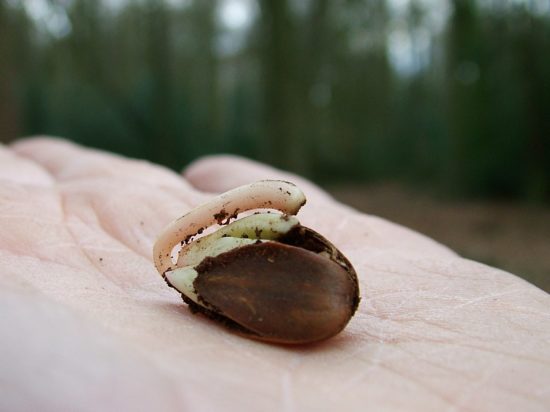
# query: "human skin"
86, 322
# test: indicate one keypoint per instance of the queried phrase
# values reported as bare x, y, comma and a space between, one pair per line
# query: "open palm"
88, 324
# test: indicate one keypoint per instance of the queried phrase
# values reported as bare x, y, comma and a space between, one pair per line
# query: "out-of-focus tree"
362, 93
466, 125
15, 53
333, 89
497, 97
279, 82
530, 37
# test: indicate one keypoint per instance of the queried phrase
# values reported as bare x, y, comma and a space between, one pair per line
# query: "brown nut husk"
298, 292
264, 276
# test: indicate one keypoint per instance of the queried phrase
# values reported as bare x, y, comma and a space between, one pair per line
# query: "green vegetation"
333, 89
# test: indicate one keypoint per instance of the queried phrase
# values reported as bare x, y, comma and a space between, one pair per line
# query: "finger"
66, 161
15, 169
130, 200
221, 173
30, 214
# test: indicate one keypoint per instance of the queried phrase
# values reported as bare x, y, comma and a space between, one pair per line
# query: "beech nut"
264, 276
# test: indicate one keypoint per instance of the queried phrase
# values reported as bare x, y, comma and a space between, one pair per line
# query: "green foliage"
311, 88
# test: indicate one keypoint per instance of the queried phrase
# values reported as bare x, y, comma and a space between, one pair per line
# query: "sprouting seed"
264, 276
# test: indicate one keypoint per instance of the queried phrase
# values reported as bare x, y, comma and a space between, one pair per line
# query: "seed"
304, 297
291, 285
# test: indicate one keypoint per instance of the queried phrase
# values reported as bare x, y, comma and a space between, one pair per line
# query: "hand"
88, 324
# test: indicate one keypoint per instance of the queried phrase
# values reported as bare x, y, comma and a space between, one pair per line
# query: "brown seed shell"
279, 292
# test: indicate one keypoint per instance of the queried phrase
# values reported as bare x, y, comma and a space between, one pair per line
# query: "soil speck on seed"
220, 216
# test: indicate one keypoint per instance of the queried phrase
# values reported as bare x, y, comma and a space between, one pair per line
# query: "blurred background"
432, 113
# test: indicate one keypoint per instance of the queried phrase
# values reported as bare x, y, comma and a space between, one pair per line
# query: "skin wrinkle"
42, 259
475, 382
448, 310
77, 241
101, 213
456, 333
48, 288
393, 313
104, 228
505, 354
476, 386
410, 296
490, 296
445, 398
405, 337
446, 269
531, 311
384, 269
75, 238
509, 320
427, 359
520, 394
440, 352
408, 316
100, 224
468, 302
461, 274
519, 325
57, 221
67, 226
469, 376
